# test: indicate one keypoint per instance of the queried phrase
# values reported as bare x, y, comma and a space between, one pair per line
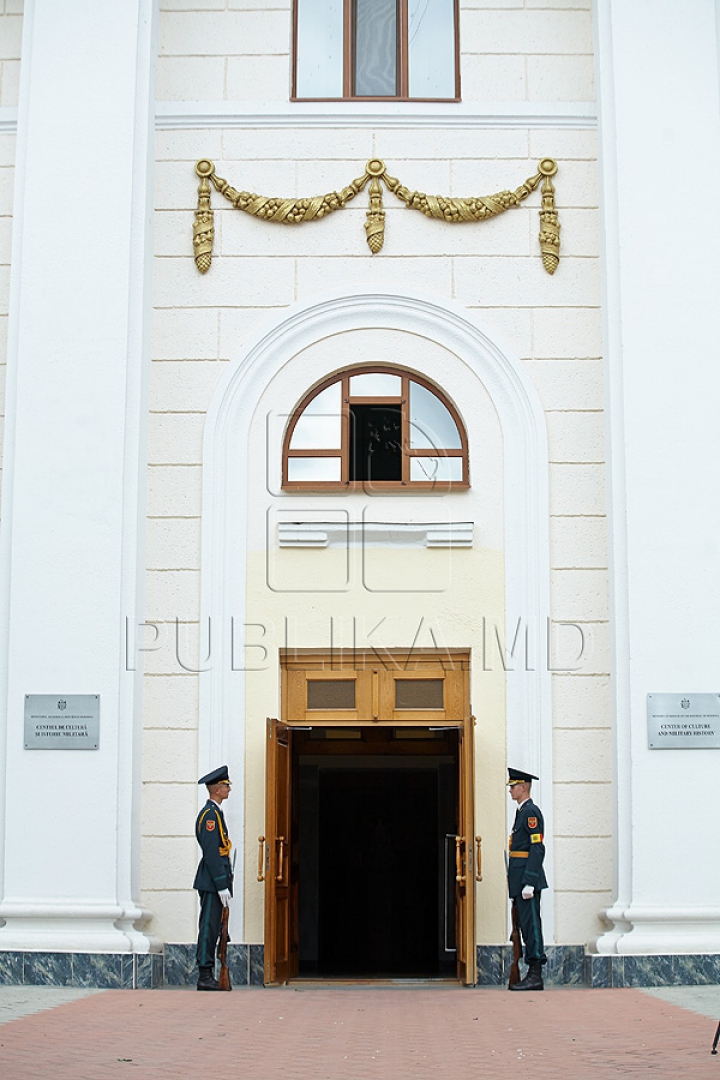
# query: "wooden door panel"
278, 837
465, 883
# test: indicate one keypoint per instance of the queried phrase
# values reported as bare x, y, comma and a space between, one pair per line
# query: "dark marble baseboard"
245, 963
175, 966
687, 969
106, 971
568, 965
571, 965
565, 965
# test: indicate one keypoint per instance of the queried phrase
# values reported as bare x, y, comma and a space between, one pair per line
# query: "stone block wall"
240, 52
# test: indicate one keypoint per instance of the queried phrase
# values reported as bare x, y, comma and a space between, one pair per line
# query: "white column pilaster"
657, 66
71, 553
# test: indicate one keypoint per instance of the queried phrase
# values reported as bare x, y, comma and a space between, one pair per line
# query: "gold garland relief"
297, 211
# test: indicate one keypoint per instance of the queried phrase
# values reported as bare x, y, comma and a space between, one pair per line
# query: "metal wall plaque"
683, 721
62, 722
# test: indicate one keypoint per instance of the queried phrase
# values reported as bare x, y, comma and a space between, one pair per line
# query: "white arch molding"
225, 510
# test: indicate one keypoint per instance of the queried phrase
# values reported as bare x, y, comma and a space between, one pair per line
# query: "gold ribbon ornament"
297, 211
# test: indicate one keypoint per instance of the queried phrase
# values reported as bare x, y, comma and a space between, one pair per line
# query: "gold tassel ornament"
203, 226
549, 224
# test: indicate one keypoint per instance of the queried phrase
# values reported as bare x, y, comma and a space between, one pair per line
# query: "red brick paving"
360, 1034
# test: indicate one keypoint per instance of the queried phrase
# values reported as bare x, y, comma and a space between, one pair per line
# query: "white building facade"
196, 535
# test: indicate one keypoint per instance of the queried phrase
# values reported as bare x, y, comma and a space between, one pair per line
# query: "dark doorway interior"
376, 869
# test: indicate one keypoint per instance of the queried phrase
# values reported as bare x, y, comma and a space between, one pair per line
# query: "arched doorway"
450, 348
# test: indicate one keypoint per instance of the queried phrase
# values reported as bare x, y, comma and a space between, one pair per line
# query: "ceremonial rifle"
715, 1040
224, 980
517, 947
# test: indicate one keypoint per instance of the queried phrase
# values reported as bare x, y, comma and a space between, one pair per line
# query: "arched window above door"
378, 428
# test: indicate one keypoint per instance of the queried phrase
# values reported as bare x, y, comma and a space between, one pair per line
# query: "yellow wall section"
471, 583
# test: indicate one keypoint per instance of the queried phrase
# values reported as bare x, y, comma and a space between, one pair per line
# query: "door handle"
459, 869
478, 858
261, 858
281, 856
448, 897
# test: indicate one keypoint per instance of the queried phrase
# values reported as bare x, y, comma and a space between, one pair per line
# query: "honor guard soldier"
526, 877
214, 874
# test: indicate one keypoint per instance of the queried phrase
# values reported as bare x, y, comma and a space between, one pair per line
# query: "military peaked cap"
517, 777
216, 776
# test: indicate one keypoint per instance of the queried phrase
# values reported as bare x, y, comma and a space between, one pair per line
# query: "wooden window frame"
402, 80
345, 484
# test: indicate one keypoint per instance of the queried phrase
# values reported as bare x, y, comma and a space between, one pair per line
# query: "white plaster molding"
116, 579
183, 115
72, 925
176, 115
614, 422
8, 120
650, 653
641, 930
323, 534
225, 508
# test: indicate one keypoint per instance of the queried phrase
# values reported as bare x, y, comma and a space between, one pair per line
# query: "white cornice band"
171, 115
191, 115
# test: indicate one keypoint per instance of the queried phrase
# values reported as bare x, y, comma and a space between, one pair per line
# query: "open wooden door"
465, 876
278, 827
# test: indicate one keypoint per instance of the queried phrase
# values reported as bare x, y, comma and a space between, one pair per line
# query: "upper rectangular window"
376, 49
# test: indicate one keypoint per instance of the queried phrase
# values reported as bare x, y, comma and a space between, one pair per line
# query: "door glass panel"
319, 49
431, 48
319, 427
314, 468
431, 422
331, 694
419, 693
375, 384
436, 468
375, 48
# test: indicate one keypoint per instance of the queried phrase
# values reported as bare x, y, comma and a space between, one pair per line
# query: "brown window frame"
402, 58
345, 484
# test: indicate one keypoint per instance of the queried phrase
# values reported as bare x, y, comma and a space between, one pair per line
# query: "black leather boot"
207, 980
533, 978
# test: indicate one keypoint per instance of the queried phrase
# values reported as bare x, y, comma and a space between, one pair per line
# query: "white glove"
224, 895
527, 893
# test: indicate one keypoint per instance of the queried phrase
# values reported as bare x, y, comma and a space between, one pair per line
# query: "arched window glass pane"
431, 48
319, 49
375, 384
436, 468
376, 48
314, 468
319, 427
431, 423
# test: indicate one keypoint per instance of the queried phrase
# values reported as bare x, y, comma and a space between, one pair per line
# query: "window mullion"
405, 429
348, 50
403, 81
345, 431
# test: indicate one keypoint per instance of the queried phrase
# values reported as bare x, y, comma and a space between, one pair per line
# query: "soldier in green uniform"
526, 877
213, 879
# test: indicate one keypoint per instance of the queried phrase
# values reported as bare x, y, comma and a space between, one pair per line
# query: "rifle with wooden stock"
517, 947
224, 980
